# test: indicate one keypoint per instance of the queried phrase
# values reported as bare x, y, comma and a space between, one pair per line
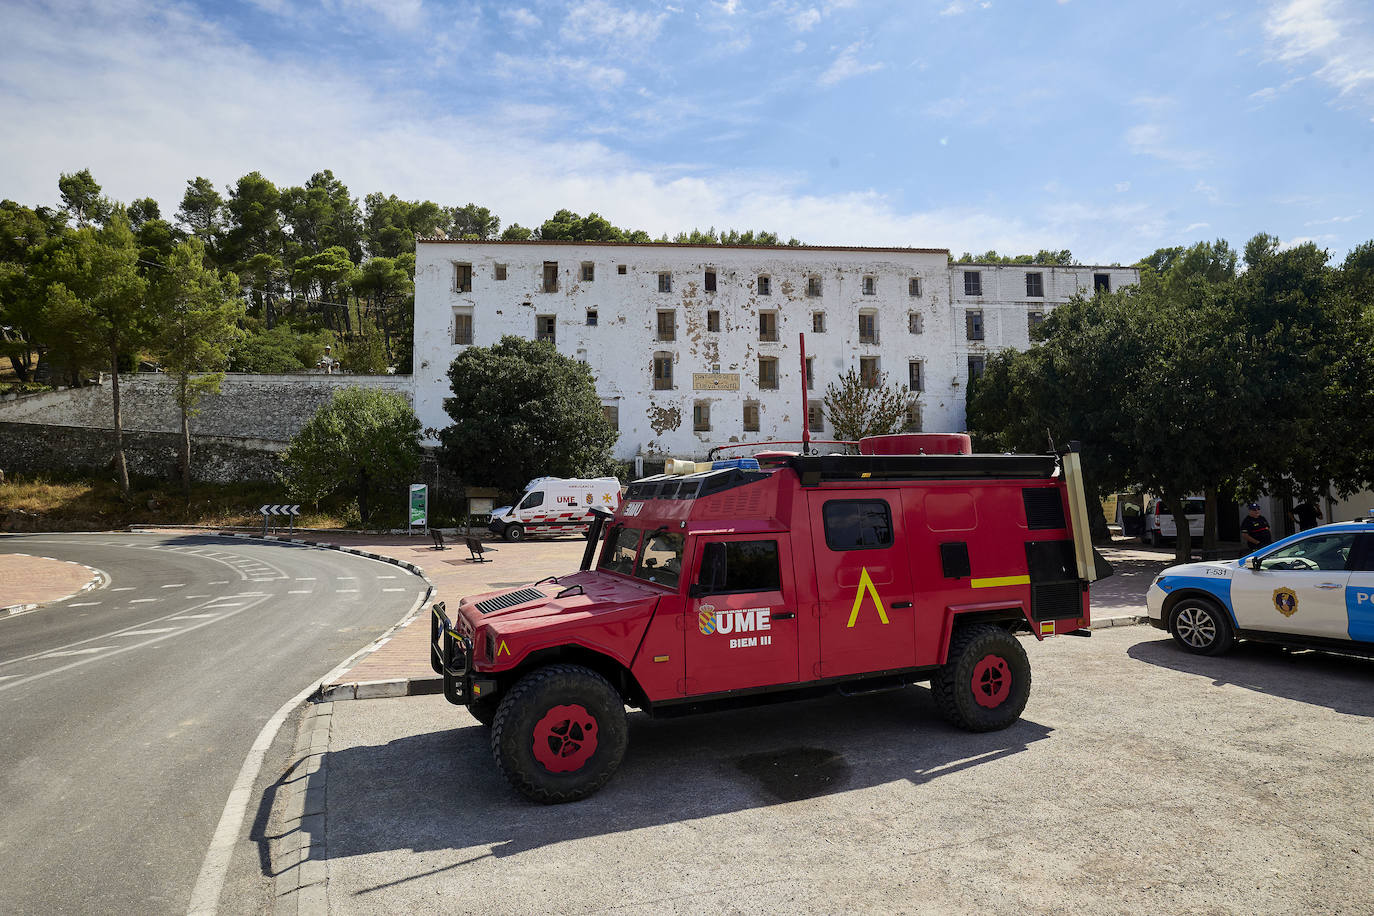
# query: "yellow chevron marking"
1001, 580
866, 586
502, 648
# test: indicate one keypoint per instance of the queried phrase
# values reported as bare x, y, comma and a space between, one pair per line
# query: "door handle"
1329, 585
898, 605
785, 615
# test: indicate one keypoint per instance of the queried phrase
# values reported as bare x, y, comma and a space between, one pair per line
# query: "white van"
555, 505
1160, 524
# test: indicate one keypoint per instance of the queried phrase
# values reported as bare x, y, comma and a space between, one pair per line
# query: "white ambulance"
556, 505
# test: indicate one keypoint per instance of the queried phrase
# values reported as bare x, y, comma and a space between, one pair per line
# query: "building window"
751, 417
868, 371
914, 381
868, 327
620, 269
1033, 321
544, 328
913, 286
588, 271
1035, 285
1102, 283
663, 371
815, 418
500, 271
665, 282
870, 286
912, 423
710, 281
768, 372
811, 372
462, 278
973, 283
765, 285
915, 322
667, 324
701, 417
612, 414
973, 319
713, 320
591, 318
462, 328
813, 286
550, 276
768, 325
976, 365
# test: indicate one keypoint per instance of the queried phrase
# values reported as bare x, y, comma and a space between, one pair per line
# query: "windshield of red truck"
661, 562
622, 545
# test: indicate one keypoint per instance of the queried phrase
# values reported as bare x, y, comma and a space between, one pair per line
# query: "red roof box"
917, 444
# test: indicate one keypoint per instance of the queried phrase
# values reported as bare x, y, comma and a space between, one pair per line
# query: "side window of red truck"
738, 566
857, 524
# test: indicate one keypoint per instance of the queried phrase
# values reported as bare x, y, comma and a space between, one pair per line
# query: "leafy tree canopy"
859, 407
521, 410
1061, 257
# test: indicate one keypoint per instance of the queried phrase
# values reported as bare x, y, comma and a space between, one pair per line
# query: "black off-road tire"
1200, 626
514, 533
985, 662
527, 715
483, 709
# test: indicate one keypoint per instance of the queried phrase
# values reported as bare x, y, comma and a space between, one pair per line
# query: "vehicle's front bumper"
450, 655
1154, 607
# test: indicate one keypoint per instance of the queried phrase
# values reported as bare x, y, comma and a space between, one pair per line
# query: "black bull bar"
450, 654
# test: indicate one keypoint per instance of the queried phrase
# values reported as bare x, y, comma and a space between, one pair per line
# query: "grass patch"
93, 504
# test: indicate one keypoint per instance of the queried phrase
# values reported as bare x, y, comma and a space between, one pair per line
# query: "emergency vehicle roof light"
744, 464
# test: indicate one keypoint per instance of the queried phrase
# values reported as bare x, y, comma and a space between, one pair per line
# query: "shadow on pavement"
441, 790
1339, 683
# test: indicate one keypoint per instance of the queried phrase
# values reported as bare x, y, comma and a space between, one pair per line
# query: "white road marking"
345, 577
248, 595
6, 677
341, 590
147, 632
177, 585
305, 578
189, 597
386, 577
301, 591
218, 582
75, 652
192, 616
123, 588
393, 589
83, 604
212, 607
141, 600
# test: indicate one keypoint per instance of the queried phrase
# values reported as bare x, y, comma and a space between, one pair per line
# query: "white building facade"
698, 346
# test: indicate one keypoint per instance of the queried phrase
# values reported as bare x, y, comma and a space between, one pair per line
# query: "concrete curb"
1127, 620
98, 580
299, 858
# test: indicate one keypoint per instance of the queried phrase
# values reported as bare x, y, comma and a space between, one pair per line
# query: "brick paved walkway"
27, 580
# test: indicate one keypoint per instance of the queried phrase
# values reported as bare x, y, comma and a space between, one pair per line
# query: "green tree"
520, 410
198, 324
517, 233
98, 300
24, 234
202, 209
81, 198
364, 441
859, 406
473, 222
391, 225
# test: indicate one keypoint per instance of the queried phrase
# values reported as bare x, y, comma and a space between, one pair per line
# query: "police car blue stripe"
1215, 586
1359, 609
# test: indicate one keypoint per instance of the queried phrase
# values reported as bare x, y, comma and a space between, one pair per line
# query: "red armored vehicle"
743, 584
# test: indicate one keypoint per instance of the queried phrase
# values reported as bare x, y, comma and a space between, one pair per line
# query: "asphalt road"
1140, 780
127, 712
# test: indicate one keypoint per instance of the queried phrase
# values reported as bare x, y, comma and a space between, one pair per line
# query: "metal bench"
476, 552
438, 539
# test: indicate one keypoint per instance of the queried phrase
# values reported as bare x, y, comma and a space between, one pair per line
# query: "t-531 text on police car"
737, 585
1314, 589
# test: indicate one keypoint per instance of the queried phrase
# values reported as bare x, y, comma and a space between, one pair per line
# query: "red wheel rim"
565, 739
991, 681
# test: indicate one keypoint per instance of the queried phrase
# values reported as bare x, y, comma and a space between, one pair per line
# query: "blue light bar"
744, 464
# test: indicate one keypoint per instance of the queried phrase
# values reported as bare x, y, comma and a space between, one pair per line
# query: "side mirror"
696, 590
1255, 562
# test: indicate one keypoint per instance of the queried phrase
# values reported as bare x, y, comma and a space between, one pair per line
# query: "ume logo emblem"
745, 620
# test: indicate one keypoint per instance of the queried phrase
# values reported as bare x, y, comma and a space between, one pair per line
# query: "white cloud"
1329, 36
404, 15
847, 65
521, 18
1333, 219
1194, 227
1154, 140
804, 20
1122, 187
1206, 190
959, 7
601, 19
577, 70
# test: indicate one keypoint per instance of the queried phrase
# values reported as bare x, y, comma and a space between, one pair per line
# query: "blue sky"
1110, 129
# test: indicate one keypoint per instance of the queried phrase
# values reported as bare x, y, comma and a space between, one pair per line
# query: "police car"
1314, 590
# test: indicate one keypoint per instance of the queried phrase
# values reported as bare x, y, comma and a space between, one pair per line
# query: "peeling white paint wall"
620, 348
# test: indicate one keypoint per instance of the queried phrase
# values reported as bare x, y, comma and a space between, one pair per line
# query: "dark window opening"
739, 566
852, 524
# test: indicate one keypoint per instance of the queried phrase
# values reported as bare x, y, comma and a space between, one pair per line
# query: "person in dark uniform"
1254, 530
1306, 514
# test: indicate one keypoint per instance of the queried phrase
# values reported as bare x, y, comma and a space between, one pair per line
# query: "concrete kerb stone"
299, 856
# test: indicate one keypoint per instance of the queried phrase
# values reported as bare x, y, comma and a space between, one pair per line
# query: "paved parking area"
1140, 780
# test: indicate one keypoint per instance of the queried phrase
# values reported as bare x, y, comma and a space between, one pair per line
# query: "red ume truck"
912, 561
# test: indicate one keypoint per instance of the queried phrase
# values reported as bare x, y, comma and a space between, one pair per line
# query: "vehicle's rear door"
1359, 591
863, 582
741, 614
